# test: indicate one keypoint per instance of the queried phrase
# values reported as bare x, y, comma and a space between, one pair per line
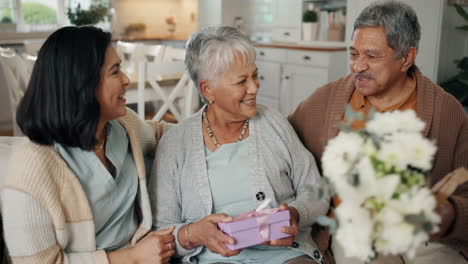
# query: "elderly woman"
76, 193
229, 157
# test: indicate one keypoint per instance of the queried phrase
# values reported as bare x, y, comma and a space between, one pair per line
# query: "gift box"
256, 228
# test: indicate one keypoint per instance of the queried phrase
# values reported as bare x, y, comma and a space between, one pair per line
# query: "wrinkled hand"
447, 214
292, 230
155, 247
205, 232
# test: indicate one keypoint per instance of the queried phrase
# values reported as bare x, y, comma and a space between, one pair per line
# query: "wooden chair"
152, 75
173, 54
130, 54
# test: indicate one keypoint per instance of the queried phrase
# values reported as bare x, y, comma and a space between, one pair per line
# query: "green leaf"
462, 27
462, 64
309, 16
353, 179
349, 113
461, 11
327, 221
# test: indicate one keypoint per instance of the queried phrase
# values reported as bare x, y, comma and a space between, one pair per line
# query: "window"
39, 15
7, 19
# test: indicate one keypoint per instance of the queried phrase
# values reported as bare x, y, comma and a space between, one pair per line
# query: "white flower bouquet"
379, 173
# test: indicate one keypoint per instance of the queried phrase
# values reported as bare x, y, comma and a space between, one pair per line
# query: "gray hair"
399, 21
212, 50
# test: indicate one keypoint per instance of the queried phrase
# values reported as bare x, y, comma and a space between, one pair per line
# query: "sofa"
6, 146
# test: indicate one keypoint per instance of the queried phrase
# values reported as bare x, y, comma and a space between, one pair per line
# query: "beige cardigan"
446, 123
46, 215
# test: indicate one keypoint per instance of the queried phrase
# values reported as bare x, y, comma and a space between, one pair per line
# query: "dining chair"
153, 53
130, 53
173, 54
169, 82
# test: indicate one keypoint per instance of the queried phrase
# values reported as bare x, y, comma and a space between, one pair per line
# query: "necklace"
211, 135
101, 146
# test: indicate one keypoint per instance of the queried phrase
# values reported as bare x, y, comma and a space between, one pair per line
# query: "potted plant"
309, 24
6, 24
458, 84
95, 14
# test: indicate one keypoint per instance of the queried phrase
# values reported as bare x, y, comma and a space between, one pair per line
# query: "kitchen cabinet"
288, 76
287, 20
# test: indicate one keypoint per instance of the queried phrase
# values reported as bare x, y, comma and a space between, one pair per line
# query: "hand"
292, 230
205, 232
447, 214
155, 247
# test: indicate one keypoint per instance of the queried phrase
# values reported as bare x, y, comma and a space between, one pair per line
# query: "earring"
210, 101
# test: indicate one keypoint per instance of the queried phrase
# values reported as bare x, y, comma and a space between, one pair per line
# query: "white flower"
418, 200
339, 155
419, 150
381, 189
395, 235
408, 121
355, 231
396, 121
380, 212
392, 153
395, 238
382, 124
369, 148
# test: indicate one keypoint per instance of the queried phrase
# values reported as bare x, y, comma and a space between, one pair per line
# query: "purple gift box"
247, 231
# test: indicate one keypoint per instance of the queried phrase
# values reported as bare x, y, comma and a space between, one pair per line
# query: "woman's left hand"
292, 230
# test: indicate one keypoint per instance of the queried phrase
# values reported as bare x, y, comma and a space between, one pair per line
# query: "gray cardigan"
281, 169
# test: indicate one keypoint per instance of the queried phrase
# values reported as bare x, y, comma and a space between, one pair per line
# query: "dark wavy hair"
60, 102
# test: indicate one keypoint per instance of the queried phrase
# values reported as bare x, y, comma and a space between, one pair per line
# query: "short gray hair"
212, 50
399, 21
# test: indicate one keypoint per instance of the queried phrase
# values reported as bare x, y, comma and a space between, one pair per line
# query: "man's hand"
447, 214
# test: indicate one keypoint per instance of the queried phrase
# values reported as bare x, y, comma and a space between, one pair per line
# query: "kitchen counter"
22, 39
148, 38
310, 46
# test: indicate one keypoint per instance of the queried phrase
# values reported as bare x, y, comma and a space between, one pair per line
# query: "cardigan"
446, 122
46, 215
280, 167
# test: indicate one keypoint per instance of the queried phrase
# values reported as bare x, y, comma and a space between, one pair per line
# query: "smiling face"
112, 87
234, 92
373, 62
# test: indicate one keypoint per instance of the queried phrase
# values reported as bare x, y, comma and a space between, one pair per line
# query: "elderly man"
384, 77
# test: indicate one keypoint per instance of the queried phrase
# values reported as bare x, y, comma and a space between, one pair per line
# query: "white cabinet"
287, 19
298, 83
269, 75
289, 76
269, 68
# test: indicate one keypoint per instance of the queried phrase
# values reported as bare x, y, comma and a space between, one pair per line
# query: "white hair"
211, 51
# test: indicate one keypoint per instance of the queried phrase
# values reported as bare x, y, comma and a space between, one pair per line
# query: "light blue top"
231, 189
112, 200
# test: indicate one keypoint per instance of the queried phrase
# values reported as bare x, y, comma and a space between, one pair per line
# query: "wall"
210, 10
153, 13
454, 43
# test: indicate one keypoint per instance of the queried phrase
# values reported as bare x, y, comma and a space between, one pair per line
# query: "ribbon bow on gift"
261, 215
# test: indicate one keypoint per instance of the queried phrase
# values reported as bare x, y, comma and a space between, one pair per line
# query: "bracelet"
186, 232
